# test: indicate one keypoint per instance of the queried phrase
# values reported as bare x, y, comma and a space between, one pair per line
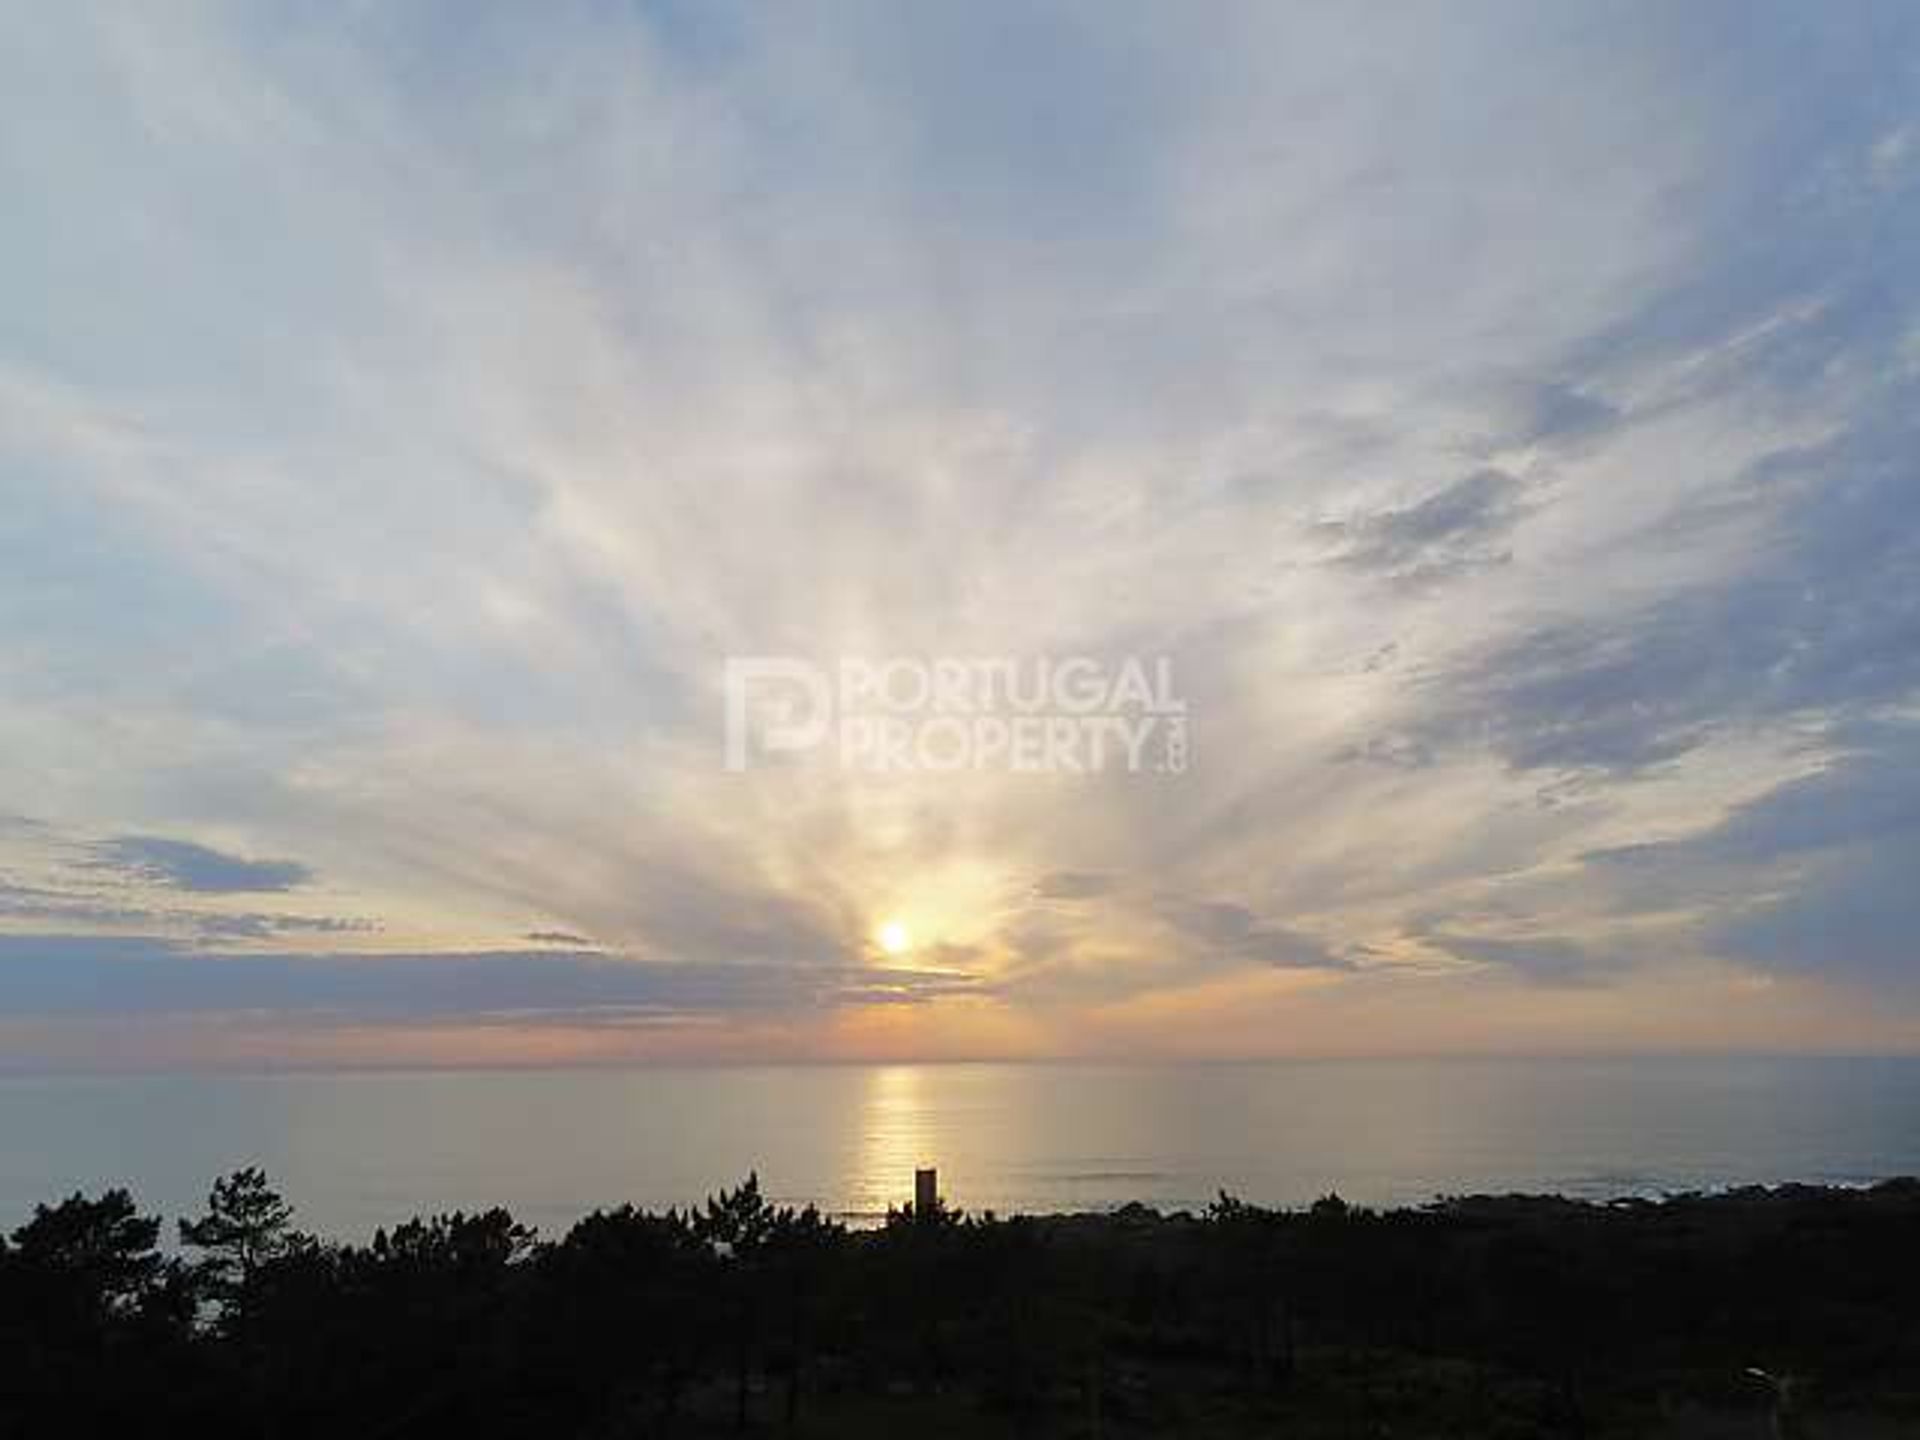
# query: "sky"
1505, 420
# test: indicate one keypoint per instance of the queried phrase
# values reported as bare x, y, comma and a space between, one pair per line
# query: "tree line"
1510, 1316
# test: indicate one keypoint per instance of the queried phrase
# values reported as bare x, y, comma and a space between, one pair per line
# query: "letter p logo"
785, 704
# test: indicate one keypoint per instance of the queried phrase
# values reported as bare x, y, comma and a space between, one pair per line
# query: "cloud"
1813, 877
395, 453
1230, 930
1457, 529
1545, 960
67, 976
1821, 618
216, 927
1855, 918
91, 909
1072, 885
183, 865
41, 903
1556, 413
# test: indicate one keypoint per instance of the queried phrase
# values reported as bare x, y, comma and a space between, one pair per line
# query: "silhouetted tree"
735, 1226
622, 1314
89, 1313
246, 1225
800, 1249
1249, 1250
93, 1259
1558, 1317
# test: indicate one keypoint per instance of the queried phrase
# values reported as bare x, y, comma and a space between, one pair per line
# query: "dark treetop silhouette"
1507, 1316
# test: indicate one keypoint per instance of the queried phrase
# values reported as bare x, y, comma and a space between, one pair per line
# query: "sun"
894, 938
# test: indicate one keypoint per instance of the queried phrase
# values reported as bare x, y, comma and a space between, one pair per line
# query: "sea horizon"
574, 1064
358, 1149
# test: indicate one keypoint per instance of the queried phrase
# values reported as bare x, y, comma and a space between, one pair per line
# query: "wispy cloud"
183, 865
1458, 528
76, 976
1504, 420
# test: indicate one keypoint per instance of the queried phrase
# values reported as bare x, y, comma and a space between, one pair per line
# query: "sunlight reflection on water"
356, 1150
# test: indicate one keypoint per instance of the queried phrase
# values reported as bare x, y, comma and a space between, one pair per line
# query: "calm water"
358, 1150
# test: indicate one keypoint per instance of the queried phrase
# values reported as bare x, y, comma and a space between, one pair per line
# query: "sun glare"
894, 938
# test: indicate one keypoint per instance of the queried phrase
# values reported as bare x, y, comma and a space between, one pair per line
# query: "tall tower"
926, 1191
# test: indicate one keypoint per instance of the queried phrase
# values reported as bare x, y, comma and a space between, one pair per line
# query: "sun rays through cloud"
1508, 439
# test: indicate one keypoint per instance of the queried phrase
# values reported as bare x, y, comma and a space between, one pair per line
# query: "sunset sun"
894, 938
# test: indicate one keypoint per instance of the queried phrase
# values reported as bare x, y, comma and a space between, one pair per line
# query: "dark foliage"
1483, 1317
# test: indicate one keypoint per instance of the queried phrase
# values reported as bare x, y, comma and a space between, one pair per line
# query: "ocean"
358, 1150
